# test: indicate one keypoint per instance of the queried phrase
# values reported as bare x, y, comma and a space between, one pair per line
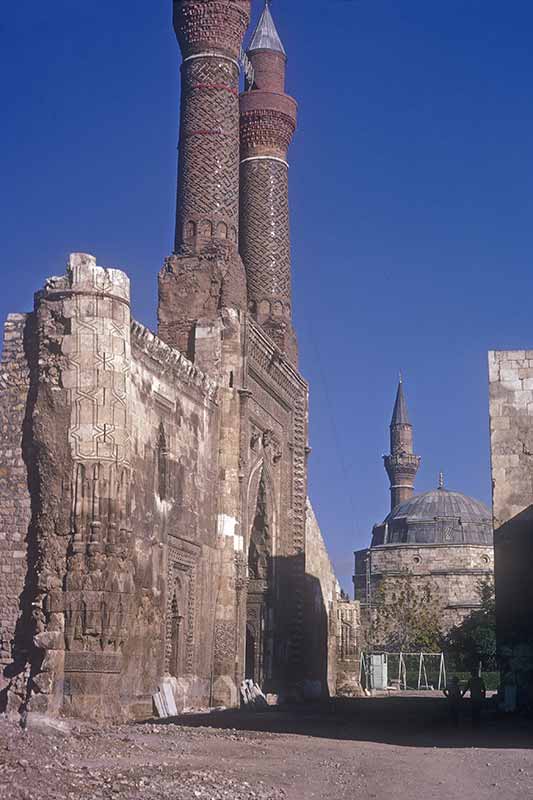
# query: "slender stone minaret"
401, 465
206, 273
268, 122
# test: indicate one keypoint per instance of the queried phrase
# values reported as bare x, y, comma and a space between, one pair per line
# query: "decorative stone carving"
181, 586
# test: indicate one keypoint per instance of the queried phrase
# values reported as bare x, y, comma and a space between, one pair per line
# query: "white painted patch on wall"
163, 506
204, 331
227, 526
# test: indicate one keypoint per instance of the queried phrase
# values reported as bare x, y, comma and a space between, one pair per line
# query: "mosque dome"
437, 517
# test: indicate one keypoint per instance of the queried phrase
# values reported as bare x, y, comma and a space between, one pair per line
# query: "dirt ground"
389, 748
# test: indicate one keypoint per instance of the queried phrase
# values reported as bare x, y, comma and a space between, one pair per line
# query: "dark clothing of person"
475, 710
478, 691
455, 698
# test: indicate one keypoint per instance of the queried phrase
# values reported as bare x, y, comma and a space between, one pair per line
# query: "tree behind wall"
473, 642
406, 617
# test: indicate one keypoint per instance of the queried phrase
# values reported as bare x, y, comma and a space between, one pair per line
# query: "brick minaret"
206, 273
268, 122
401, 465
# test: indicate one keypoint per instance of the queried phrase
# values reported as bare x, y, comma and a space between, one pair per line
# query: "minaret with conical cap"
267, 124
401, 465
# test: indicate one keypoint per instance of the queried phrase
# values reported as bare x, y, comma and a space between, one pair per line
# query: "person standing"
478, 692
455, 698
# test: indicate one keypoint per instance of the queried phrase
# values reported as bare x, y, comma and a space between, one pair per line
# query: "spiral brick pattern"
205, 273
217, 25
267, 125
265, 239
208, 181
210, 34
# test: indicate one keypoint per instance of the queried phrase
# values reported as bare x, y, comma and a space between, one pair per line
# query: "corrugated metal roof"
266, 36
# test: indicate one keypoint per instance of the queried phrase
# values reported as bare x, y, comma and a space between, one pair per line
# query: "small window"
162, 464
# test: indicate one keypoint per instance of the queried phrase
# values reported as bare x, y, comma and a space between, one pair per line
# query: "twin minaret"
268, 122
232, 244
401, 465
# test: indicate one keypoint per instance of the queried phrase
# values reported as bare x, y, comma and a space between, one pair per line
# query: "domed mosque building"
440, 541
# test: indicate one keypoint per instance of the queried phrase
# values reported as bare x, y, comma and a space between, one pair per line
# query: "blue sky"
411, 192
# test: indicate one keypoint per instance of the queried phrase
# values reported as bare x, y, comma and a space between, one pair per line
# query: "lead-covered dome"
436, 517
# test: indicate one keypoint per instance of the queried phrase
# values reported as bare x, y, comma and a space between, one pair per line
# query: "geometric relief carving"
288, 420
225, 633
208, 185
93, 662
260, 549
180, 613
99, 584
98, 366
280, 393
265, 242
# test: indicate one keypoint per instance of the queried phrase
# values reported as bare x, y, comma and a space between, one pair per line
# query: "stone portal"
259, 622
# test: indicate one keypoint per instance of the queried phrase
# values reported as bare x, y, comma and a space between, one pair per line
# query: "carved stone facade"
153, 489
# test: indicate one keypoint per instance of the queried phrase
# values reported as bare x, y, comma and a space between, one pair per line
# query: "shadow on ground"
405, 721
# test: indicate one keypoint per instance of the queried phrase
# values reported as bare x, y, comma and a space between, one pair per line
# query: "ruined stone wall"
116, 585
147, 476
15, 504
174, 444
349, 644
321, 593
511, 440
452, 572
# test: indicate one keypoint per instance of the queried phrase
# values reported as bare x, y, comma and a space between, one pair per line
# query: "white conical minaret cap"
266, 36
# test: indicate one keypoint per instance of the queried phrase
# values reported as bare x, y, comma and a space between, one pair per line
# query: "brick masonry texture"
208, 182
267, 125
511, 439
206, 272
265, 238
210, 35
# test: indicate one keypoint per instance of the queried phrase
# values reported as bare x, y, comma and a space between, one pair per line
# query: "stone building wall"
511, 439
122, 442
174, 444
453, 573
15, 504
332, 622
169, 509
274, 453
322, 593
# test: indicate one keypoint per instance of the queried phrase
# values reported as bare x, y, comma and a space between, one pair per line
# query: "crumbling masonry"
154, 521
